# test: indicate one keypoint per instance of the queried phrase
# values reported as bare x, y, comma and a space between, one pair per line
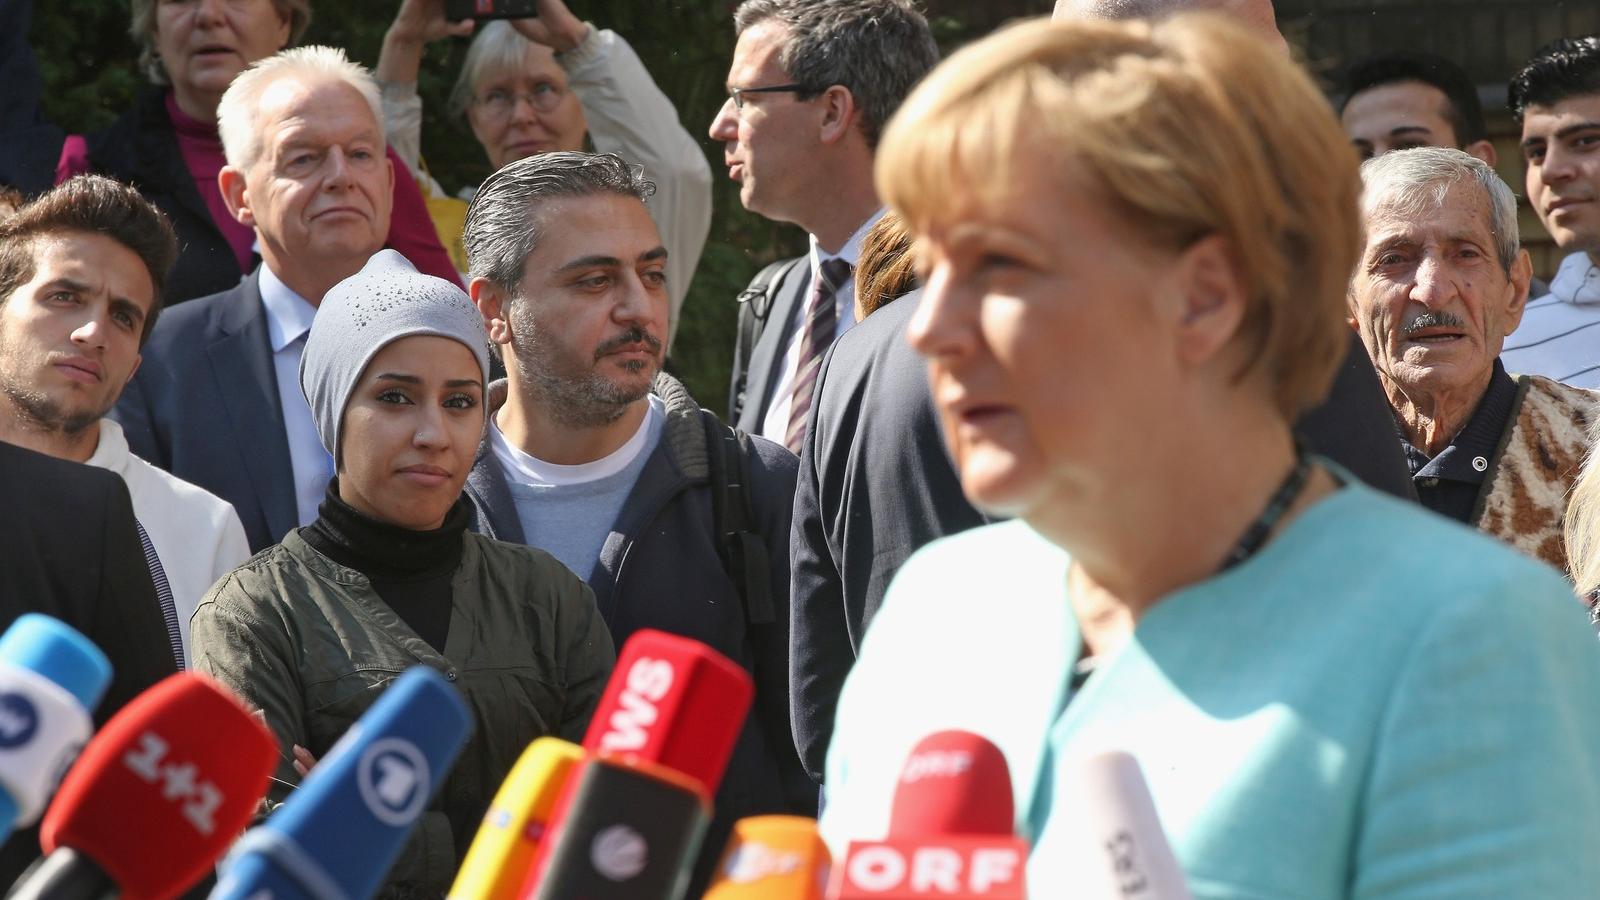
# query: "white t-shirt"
569, 511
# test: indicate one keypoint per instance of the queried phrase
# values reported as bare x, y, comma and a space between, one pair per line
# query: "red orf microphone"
951, 830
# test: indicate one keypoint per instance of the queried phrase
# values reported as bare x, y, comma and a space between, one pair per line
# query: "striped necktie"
822, 323
169, 611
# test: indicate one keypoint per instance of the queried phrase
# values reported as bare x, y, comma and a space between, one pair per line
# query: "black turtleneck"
410, 570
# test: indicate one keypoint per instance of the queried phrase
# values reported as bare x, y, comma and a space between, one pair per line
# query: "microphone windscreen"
1114, 841
951, 830
500, 856
772, 858
954, 782
631, 831
51, 679
165, 786
343, 827
57, 651
673, 702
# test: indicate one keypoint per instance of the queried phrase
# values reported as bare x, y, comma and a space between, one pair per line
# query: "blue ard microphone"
51, 679
340, 831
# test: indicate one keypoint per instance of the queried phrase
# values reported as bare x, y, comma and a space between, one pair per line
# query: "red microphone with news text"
631, 816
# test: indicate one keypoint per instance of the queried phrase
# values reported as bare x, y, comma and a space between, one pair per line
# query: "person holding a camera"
543, 83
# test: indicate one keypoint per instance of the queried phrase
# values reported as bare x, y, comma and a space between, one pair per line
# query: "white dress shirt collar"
289, 315
851, 251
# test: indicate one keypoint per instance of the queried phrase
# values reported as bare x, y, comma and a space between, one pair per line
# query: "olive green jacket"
311, 645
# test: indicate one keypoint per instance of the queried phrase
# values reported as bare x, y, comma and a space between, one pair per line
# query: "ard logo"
19, 721
393, 779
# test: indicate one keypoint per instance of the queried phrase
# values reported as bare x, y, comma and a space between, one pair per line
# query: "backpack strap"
744, 556
755, 305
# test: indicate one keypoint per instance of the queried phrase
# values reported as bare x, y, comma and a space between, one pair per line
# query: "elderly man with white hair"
217, 400
1441, 281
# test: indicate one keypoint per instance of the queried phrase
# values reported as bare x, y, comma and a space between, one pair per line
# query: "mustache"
1432, 320
634, 335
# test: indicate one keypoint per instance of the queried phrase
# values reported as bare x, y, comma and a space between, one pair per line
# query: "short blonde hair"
142, 28
239, 108
1189, 127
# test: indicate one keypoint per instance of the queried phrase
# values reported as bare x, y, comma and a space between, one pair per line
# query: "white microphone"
1116, 847
50, 678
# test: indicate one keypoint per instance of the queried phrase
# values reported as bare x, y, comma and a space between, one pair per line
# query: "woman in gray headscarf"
310, 631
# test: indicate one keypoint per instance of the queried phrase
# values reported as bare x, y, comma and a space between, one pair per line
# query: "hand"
422, 21
303, 760
555, 27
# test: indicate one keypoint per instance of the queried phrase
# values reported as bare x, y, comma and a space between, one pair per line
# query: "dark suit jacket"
767, 355
876, 483
204, 406
68, 549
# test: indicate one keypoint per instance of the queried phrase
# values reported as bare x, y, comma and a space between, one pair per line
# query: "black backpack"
744, 556
755, 304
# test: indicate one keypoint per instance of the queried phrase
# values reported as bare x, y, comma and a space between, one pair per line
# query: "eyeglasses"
737, 94
499, 104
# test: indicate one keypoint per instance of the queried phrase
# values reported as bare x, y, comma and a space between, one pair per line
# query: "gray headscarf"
386, 301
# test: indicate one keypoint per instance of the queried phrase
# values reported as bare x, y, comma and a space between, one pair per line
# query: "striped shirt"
158, 576
1560, 332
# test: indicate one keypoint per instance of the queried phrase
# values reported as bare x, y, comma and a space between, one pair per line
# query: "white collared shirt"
1560, 332
775, 426
288, 322
196, 534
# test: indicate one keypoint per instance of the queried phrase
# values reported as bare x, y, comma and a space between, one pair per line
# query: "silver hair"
503, 224
496, 46
1414, 182
142, 28
879, 49
236, 113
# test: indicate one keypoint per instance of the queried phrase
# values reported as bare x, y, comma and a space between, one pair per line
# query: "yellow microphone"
499, 858
772, 858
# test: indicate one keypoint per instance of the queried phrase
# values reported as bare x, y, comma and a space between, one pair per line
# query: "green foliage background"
90, 71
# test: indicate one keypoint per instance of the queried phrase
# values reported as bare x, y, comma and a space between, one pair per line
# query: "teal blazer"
1379, 704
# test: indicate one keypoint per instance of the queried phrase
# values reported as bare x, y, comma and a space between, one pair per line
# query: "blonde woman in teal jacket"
1135, 242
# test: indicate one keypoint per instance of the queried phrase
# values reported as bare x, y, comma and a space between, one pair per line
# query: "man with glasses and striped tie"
81, 270
811, 86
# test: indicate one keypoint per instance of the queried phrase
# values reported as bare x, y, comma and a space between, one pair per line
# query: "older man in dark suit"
217, 401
